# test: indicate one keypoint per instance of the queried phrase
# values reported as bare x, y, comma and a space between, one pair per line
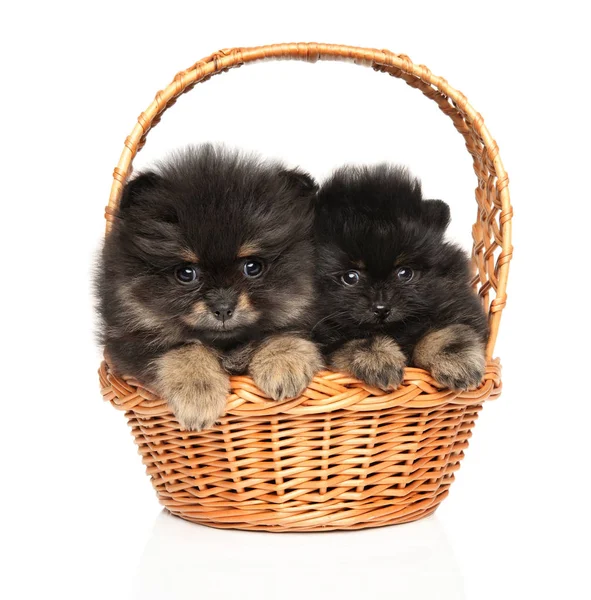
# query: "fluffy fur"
208, 212
284, 365
374, 229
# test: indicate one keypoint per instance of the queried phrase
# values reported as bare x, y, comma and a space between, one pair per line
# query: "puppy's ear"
137, 188
435, 213
300, 181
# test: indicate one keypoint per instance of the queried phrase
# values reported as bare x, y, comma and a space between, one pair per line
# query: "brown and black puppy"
391, 290
207, 271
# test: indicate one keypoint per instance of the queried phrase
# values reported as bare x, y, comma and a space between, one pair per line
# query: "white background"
79, 517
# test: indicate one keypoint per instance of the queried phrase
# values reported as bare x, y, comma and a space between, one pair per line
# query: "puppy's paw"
454, 355
284, 366
378, 361
459, 373
193, 383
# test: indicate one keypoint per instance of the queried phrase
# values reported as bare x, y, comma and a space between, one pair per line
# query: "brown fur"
197, 314
296, 306
244, 303
249, 249
189, 256
284, 365
194, 384
454, 355
378, 361
137, 315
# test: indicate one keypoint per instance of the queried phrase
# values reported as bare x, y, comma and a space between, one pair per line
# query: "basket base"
386, 518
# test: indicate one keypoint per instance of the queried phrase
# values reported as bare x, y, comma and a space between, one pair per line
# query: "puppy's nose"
223, 311
381, 311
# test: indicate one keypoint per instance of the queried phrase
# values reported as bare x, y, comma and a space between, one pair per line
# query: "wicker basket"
343, 455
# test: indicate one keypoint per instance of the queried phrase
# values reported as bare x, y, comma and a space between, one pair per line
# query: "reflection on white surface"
184, 560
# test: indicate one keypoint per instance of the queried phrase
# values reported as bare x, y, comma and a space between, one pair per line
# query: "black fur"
209, 202
373, 220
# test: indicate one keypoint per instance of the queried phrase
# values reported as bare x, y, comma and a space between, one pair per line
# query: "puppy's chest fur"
331, 334
235, 353
235, 360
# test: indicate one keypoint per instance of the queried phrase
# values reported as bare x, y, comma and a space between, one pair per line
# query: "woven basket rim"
328, 392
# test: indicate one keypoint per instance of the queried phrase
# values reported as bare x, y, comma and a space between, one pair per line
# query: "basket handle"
492, 250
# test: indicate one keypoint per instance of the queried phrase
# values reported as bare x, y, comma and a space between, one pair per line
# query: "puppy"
391, 291
208, 271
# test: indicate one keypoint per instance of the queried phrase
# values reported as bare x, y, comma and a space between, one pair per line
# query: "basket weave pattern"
343, 455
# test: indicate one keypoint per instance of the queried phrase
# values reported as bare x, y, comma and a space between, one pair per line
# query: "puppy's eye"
404, 274
186, 274
350, 278
252, 267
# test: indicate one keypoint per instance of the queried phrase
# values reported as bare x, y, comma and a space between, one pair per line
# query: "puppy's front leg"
284, 365
378, 361
194, 384
454, 356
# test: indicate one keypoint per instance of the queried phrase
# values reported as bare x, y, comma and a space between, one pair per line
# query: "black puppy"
391, 290
207, 271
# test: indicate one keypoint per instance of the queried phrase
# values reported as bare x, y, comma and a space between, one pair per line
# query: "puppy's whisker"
333, 315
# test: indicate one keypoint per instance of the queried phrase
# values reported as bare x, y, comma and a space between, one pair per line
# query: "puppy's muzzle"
223, 311
380, 311
222, 304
